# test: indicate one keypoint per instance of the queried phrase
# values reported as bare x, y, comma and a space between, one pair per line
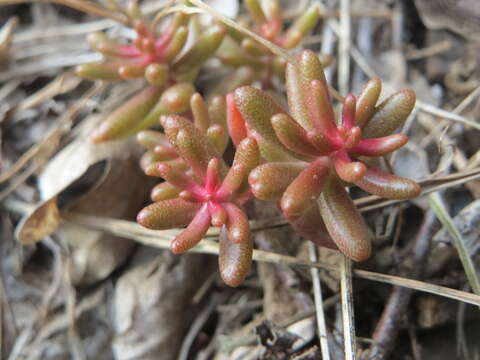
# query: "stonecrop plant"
254, 61
158, 55
304, 158
199, 189
310, 158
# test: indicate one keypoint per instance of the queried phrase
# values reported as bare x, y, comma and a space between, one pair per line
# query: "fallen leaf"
41, 222
95, 254
63, 169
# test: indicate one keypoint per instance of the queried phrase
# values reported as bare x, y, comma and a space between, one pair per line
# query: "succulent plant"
160, 58
268, 22
310, 157
204, 192
210, 120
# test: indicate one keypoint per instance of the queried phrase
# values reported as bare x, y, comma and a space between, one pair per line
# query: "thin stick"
81, 5
317, 292
271, 46
344, 47
162, 239
438, 207
347, 308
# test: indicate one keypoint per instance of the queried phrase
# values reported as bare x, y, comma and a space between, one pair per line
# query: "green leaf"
343, 221
390, 114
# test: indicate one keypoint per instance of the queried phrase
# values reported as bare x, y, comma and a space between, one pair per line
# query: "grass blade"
438, 207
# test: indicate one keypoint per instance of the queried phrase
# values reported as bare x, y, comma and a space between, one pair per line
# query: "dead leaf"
95, 254
63, 169
41, 222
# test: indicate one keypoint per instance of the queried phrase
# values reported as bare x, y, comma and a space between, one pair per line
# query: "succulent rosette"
268, 22
206, 192
161, 58
210, 120
310, 157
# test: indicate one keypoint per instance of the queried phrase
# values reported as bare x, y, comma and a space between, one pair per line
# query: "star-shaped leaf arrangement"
157, 54
208, 193
311, 157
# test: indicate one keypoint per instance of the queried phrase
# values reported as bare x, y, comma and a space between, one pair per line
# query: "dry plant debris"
229, 104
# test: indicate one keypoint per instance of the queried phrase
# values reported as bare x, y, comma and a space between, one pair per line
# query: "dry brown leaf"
63, 169
41, 222
95, 254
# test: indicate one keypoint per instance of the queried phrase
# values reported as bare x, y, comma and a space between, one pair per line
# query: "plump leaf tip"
204, 192
325, 153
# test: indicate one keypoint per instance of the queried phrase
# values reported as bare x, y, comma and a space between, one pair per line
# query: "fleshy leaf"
190, 143
297, 79
149, 139
194, 232
390, 114
174, 100
232, 54
237, 224
380, 146
200, 112
292, 135
233, 182
302, 193
255, 10
98, 71
174, 176
204, 47
367, 100
176, 44
164, 191
257, 108
387, 185
302, 26
343, 221
125, 119
234, 259
235, 121
157, 74
167, 214
247, 154
311, 226
100, 42
348, 170
247, 157
132, 71
218, 137
217, 111
269, 181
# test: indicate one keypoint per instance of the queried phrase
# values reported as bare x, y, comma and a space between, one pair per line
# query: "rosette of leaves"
268, 22
160, 57
210, 120
208, 192
311, 157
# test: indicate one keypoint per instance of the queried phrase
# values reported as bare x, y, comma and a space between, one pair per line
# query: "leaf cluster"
301, 157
